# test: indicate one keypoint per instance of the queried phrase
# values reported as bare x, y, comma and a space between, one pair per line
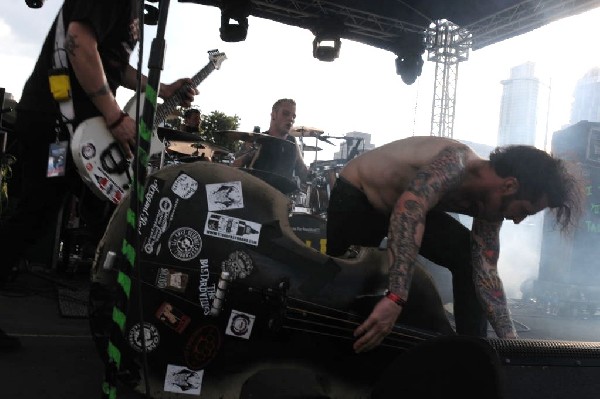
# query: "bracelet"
395, 298
118, 121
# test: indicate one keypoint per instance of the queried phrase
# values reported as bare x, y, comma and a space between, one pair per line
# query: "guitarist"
99, 37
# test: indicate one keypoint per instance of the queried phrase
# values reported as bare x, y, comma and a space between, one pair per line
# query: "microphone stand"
129, 274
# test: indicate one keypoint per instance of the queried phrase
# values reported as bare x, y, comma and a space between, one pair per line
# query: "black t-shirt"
277, 156
116, 27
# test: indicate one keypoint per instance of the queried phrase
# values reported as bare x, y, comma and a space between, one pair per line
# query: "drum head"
224, 279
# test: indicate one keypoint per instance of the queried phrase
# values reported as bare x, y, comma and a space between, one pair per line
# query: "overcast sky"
359, 91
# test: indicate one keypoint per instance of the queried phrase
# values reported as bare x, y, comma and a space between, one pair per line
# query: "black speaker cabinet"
469, 367
547, 369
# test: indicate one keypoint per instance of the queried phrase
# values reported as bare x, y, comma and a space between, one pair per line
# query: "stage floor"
59, 359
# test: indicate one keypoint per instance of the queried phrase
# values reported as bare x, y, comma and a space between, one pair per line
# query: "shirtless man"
403, 190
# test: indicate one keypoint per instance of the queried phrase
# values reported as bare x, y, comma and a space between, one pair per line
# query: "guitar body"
99, 158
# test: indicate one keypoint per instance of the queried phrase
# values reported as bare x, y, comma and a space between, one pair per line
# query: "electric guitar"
98, 157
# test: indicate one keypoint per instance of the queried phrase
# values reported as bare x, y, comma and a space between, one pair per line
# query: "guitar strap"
61, 63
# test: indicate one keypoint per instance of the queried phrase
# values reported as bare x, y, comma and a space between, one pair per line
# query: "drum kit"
185, 147
273, 163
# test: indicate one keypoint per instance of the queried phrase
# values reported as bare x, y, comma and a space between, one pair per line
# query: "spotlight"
409, 50
325, 49
328, 32
150, 15
34, 3
234, 20
409, 67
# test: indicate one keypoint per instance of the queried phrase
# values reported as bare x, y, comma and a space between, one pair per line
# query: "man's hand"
168, 90
377, 326
125, 133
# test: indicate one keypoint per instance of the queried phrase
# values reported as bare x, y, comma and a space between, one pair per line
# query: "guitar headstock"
216, 58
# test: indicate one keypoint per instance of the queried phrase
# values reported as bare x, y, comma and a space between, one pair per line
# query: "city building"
586, 98
354, 144
520, 108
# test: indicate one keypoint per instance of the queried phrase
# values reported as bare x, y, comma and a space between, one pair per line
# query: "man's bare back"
383, 175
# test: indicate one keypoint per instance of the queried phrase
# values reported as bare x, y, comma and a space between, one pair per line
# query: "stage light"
409, 67
327, 43
234, 20
326, 49
409, 61
34, 3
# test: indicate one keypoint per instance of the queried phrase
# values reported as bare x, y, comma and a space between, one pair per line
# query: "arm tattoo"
404, 244
70, 45
407, 222
485, 254
444, 173
105, 89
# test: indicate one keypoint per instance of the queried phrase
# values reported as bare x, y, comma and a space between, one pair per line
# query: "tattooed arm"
407, 224
81, 47
488, 285
82, 50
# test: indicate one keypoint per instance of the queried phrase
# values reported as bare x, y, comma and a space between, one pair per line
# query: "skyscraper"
586, 98
355, 143
519, 109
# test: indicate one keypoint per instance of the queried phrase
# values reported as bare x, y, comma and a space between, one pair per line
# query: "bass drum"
227, 289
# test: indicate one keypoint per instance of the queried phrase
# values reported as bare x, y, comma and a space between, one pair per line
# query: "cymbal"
305, 131
244, 136
311, 148
176, 135
187, 148
212, 147
183, 147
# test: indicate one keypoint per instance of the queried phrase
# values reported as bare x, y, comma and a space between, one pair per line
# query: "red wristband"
395, 298
118, 121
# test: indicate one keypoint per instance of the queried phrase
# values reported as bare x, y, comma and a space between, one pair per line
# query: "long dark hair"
540, 173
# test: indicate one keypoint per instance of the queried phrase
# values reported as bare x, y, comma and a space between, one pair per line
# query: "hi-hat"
311, 148
305, 131
176, 135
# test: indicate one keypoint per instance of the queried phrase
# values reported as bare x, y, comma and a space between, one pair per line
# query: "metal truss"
382, 24
447, 45
524, 17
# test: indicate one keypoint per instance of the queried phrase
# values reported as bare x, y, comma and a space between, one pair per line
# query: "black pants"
39, 198
351, 220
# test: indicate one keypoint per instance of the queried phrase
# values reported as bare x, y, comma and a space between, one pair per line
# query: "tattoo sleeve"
407, 222
488, 285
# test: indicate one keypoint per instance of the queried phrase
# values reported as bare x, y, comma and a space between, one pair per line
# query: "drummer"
283, 115
191, 120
